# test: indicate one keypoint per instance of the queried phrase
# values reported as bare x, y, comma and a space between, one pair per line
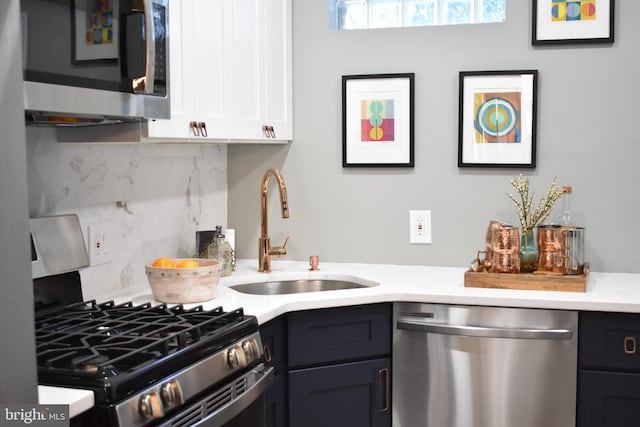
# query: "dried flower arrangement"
529, 219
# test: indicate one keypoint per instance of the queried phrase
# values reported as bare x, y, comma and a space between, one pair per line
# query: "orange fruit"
188, 263
164, 262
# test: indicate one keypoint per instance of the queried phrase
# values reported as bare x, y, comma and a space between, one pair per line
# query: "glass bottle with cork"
566, 217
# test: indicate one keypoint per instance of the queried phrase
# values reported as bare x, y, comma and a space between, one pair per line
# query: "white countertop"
618, 292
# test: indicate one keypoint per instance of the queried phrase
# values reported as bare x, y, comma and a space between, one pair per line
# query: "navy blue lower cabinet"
609, 375
356, 394
273, 335
275, 403
608, 399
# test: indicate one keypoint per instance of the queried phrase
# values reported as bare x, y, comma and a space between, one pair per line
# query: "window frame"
439, 18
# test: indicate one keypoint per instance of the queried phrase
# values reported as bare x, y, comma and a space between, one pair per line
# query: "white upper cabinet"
262, 54
230, 75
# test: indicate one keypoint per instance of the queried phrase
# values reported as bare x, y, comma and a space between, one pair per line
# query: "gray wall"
587, 137
18, 372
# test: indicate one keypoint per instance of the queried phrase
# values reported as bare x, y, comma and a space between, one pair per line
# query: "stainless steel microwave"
95, 61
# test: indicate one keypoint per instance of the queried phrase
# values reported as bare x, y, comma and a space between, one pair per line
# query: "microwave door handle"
415, 324
146, 83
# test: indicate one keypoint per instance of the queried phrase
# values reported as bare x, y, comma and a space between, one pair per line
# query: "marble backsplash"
153, 196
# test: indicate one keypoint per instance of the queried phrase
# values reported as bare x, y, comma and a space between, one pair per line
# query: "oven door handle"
411, 323
264, 377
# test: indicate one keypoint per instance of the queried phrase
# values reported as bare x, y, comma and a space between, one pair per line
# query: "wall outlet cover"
420, 227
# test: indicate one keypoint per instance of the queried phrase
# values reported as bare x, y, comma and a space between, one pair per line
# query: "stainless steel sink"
297, 286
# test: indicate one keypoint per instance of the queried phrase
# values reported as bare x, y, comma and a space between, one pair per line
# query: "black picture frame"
497, 119
378, 120
592, 22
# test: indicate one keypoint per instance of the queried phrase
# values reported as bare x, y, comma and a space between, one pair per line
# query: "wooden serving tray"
528, 281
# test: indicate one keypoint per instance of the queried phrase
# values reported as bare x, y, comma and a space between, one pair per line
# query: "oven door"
239, 403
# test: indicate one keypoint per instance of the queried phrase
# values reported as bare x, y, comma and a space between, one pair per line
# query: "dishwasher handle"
411, 323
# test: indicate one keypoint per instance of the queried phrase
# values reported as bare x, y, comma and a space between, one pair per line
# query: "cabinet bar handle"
272, 132
194, 128
203, 128
267, 353
383, 389
630, 346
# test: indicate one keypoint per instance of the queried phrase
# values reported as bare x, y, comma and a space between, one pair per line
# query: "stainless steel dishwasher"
468, 366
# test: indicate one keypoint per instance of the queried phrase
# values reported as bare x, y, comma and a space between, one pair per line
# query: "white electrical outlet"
420, 227
100, 244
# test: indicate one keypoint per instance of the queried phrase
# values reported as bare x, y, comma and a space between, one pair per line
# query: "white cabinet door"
247, 37
213, 70
201, 73
262, 46
230, 71
277, 68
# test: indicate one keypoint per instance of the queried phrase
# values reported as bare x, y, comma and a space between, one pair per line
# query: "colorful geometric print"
99, 22
497, 117
584, 10
377, 120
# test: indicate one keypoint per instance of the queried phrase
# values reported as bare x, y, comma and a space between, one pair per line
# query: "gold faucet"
265, 251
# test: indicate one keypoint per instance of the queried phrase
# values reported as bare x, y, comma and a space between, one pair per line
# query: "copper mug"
505, 250
550, 237
505, 262
551, 261
550, 241
493, 225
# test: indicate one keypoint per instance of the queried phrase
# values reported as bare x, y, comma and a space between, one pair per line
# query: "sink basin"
296, 286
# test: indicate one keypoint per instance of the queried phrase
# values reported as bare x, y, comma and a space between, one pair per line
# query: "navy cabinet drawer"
609, 341
608, 399
339, 334
354, 394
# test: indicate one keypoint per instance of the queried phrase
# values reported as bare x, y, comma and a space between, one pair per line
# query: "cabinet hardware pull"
630, 345
269, 131
194, 128
203, 128
383, 387
267, 353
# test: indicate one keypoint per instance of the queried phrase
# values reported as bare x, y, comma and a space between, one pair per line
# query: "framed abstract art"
497, 119
572, 21
377, 120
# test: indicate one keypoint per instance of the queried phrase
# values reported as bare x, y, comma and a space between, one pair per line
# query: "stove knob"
150, 406
251, 349
236, 357
171, 393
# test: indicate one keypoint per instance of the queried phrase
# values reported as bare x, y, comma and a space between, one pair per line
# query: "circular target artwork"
497, 118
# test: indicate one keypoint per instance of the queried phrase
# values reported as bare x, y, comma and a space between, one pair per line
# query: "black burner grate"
118, 349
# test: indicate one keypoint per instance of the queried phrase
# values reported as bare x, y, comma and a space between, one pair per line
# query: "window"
361, 14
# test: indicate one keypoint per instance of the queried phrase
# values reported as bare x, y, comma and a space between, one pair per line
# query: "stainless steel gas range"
147, 364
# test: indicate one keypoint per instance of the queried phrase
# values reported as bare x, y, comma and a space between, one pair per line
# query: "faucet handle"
279, 251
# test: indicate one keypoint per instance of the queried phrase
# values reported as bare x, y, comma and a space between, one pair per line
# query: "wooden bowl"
184, 285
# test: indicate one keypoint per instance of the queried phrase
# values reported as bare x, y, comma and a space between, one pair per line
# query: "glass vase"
528, 251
